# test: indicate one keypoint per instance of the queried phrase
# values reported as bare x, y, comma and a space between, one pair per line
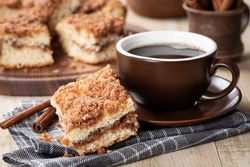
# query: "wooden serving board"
44, 81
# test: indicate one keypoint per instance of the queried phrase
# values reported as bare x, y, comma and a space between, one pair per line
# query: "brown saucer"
203, 111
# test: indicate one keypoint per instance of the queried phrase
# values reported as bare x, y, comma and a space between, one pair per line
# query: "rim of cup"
179, 39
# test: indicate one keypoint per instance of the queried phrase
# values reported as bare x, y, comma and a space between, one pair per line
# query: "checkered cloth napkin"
147, 143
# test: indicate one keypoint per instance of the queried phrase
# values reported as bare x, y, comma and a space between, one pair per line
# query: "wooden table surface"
230, 152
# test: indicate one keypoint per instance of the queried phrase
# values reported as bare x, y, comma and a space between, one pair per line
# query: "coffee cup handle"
245, 18
233, 68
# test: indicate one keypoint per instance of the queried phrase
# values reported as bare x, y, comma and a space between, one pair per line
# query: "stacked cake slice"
90, 38
61, 9
95, 112
24, 42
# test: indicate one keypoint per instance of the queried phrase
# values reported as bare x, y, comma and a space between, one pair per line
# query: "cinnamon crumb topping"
65, 141
84, 102
66, 154
26, 26
18, 4
98, 23
11, 3
59, 138
91, 6
40, 10
101, 151
46, 137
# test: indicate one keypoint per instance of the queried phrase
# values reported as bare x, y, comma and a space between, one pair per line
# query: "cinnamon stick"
23, 115
206, 4
225, 5
239, 3
194, 4
217, 4
41, 123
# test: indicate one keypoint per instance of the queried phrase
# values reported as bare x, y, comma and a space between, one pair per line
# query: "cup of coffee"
170, 70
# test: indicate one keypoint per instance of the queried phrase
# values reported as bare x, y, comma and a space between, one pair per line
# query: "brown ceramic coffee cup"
170, 79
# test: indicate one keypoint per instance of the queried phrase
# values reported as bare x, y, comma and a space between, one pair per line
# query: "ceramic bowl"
157, 8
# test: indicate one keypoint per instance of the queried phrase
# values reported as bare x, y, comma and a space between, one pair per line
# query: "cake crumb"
45, 136
65, 141
66, 154
101, 151
59, 138
73, 65
56, 71
26, 70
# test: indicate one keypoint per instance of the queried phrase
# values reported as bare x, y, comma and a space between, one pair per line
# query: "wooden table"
233, 152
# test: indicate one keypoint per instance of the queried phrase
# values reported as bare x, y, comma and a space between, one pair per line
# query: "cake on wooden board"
89, 35
113, 7
90, 38
25, 46
50, 12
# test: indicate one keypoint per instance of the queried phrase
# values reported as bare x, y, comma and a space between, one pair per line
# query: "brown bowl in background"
157, 8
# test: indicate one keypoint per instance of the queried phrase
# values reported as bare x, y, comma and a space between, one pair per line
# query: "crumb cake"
24, 42
95, 112
88, 30
62, 9
12, 8
9, 8
113, 7
48, 11
90, 38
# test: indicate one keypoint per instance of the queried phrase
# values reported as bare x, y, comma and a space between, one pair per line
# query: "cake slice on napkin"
95, 112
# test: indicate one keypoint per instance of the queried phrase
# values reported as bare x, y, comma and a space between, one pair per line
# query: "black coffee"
164, 51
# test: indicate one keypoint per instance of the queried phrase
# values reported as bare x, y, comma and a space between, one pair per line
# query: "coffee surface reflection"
165, 52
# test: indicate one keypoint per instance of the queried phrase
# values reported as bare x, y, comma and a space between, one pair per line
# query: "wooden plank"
235, 151
202, 155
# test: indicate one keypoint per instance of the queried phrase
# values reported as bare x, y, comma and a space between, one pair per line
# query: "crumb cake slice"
13, 8
24, 42
95, 112
113, 7
62, 9
90, 38
10, 8
50, 12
